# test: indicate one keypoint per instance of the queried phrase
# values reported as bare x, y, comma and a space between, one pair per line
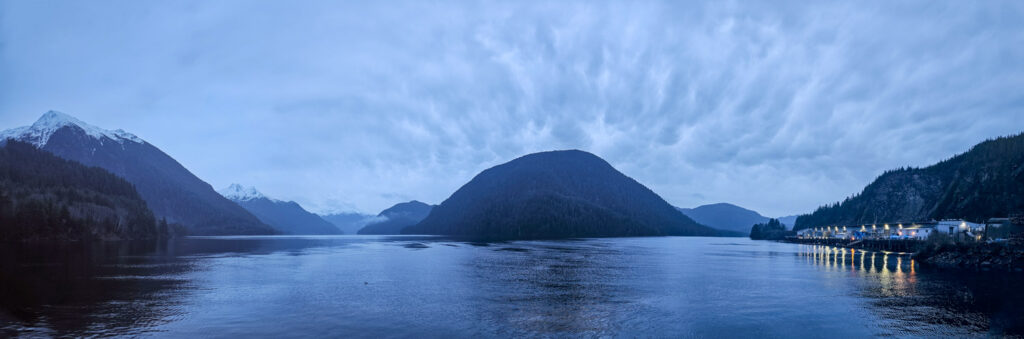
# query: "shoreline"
995, 256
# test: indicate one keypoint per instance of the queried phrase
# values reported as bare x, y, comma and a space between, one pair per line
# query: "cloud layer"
357, 106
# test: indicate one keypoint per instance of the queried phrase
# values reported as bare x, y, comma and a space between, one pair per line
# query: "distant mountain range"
557, 194
985, 182
171, 191
397, 217
46, 197
349, 222
726, 216
286, 217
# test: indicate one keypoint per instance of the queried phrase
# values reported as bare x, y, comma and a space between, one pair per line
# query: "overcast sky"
360, 105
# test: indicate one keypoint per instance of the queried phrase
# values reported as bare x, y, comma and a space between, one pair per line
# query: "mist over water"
387, 286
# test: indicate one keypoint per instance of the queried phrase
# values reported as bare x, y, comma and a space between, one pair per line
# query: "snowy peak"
237, 192
40, 132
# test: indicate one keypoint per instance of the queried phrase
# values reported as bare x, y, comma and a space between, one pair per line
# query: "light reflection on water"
916, 301
864, 261
382, 286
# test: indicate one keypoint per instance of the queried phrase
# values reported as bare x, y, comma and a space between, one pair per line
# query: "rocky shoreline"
976, 256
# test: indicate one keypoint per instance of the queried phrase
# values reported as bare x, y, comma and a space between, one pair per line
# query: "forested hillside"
559, 194
985, 182
725, 216
46, 197
171, 191
397, 217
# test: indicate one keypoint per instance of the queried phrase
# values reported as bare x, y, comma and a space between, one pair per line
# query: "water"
357, 286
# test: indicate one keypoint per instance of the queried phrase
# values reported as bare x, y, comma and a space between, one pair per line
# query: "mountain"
171, 191
286, 217
725, 216
558, 194
986, 181
46, 197
349, 222
397, 217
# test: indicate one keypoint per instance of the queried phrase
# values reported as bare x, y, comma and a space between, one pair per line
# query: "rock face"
397, 217
725, 216
171, 191
985, 182
559, 194
286, 217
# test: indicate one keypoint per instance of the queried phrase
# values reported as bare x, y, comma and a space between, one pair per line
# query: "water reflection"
415, 286
88, 289
946, 303
550, 288
123, 287
849, 259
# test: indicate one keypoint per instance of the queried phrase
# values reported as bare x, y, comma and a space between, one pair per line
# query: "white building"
919, 232
958, 226
910, 230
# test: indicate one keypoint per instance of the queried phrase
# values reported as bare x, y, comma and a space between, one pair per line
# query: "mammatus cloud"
775, 107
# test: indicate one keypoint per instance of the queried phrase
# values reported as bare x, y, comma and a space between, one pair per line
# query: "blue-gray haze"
777, 106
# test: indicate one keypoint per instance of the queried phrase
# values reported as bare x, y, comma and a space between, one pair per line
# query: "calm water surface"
435, 287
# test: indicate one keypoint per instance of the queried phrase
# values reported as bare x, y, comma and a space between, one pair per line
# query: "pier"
891, 245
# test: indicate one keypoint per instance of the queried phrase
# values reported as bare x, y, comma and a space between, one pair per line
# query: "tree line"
43, 196
771, 230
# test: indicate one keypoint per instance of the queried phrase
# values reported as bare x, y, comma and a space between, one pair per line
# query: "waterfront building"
957, 226
918, 231
897, 230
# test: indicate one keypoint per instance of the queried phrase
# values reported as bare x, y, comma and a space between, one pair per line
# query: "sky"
354, 106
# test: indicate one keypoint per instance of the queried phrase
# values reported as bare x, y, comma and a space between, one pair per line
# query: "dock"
891, 245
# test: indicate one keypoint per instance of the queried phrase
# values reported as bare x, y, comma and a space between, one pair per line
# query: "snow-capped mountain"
238, 192
285, 216
169, 189
39, 133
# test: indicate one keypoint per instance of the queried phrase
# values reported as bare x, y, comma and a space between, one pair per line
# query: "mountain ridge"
397, 217
288, 217
725, 216
555, 194
170, 190
43, 196
986, 181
